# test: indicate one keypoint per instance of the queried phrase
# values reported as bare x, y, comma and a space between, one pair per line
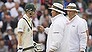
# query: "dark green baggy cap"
30, 7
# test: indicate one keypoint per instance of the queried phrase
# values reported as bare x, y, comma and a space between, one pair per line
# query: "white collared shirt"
75, 35
56, 33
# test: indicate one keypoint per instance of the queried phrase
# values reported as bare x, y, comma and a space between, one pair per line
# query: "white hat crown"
57, 7
73, 7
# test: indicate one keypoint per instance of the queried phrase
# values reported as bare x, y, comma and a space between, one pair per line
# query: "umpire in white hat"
55, 33
76, 31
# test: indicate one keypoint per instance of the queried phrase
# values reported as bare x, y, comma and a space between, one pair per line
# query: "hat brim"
57, 10
71, 10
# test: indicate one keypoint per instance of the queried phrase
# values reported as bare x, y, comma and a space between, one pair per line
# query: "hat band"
71, 7
57, 8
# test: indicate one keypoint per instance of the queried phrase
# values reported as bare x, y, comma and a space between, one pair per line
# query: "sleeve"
21, 25
55, 38
82, 28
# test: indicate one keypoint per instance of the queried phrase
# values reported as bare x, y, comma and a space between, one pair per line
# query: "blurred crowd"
12, 10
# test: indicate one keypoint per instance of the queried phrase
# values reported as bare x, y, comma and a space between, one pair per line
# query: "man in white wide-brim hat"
58, 7
72, 7
75, 31
56, 30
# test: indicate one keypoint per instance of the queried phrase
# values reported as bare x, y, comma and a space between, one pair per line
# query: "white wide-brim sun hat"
58, 7
73, 7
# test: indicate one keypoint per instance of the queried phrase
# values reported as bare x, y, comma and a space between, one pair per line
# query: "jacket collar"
53, 19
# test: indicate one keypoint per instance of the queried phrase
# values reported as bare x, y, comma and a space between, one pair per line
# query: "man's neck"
71, 17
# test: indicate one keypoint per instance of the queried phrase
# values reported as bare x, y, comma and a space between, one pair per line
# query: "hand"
40, 28
51, 51
81, 51
20, 49
38, 47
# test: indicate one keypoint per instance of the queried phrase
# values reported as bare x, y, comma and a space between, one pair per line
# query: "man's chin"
53, 16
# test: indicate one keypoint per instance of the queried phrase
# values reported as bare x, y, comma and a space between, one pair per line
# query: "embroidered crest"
73, 25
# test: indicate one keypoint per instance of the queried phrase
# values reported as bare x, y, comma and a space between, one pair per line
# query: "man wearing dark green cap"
25, 32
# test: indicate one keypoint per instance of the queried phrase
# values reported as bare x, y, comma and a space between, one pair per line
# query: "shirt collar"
72, 18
